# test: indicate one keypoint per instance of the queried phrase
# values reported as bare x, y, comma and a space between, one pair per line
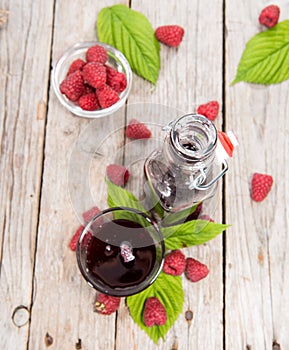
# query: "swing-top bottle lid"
225, 145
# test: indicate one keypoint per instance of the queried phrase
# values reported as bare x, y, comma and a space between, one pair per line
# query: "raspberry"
137, 130
175, 263
75, 237
116, 80
96, 53
94, 74
154, 312
195, 215
88, 102
206, 217
269, 16
106, 304
171, 35
117, 174
72, 86
88, 89
260, 186
89, 214
106, 96
195, 270
209, 110
76, 65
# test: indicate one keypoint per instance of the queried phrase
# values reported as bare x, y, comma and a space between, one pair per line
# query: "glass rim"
126, 291
75, 109
200, 154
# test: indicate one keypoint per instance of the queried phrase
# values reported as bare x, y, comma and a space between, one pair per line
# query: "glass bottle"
185, 172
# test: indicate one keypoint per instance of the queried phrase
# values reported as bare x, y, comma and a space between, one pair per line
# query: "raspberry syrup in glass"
107, 262
120, 252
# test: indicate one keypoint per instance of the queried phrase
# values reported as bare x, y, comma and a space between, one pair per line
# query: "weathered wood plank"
189, 75
63, 301
257, 247
24, 68
257, 244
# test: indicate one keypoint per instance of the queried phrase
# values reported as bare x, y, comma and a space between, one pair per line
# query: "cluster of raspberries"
175, 264
91, 83
154, 312
94, 85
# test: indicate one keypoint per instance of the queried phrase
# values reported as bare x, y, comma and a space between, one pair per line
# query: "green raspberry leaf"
179, 216
191, 233
265, 59
168, 289
119, 197
131, 33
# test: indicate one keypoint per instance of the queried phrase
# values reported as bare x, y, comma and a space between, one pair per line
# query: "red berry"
171, 35
117, 174
88, 89
116, 80
89, 214
96, 53
106, 304
72, 86
106, 96
195, 270
94, 74
137, 130
175, 263
88, 102
269, 16
76, 65
209, 110
154, 312
75, 237
195, 214
260, 186
206, 217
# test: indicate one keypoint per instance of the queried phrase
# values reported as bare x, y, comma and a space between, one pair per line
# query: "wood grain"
256, 249
52, 167
63, 304
23, 87
184, 82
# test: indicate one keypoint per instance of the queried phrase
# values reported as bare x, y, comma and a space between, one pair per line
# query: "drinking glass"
120, 251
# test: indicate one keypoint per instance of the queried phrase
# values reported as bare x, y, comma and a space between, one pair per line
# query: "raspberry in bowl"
92, 79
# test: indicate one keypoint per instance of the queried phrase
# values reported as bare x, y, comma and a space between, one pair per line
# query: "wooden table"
244, 303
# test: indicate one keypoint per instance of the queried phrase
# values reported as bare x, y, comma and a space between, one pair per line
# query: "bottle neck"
191, 142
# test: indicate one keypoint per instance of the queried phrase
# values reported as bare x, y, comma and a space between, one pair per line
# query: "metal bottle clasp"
196, 183
168, 127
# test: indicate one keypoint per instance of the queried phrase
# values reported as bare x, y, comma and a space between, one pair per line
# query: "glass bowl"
120, 251
115, 59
